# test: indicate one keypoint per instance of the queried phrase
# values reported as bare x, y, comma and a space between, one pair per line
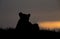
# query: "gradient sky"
40, 10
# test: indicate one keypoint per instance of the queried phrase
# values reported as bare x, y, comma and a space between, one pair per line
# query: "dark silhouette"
35, 27
24, 25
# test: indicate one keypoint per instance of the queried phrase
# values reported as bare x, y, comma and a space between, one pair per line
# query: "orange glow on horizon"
49, 25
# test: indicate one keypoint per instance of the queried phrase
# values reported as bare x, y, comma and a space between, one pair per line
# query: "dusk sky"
40, 10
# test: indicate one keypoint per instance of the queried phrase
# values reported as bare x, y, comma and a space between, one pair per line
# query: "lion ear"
28, 15
20, 13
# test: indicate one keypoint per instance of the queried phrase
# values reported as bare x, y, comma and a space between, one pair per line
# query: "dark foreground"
16, 31
24, 25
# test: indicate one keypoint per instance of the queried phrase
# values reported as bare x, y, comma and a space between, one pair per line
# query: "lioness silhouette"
23, 24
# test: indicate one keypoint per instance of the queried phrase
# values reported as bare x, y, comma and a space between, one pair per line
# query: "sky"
40, 10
